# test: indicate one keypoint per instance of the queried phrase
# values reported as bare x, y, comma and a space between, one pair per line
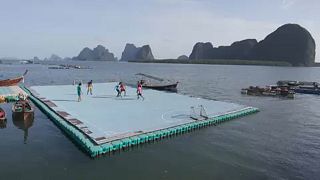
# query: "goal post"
198, 113
193, 114
203, 112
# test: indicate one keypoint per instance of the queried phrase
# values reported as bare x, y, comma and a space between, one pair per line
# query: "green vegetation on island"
218, 61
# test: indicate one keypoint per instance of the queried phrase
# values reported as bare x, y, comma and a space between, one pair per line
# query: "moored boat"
303, 87
272, 90
152, 82
166, 87
22, 110
12, 81
307, 90
296, 83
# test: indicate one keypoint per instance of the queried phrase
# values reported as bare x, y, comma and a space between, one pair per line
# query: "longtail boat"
13, 81
166, 87
158, 83
22, 110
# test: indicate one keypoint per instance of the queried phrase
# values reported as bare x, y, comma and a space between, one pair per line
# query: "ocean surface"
280, 142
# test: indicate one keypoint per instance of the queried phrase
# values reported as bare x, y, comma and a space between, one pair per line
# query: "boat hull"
22, 110
251, 92
170, 87
307, 91
11, 82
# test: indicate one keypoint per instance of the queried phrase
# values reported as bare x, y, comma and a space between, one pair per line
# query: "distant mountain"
133, 53
183, 57
289, 43
67, 59
129, 52
145, 53
237, 50
99, 53
54, 57
35, 58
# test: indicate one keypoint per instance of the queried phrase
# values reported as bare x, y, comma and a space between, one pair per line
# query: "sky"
40, 28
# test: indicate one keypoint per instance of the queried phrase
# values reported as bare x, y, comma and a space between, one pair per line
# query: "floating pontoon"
102, 123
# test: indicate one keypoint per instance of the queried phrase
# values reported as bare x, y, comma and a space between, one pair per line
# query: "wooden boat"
297, 83
13, 81
160, 84
22, 110
2, 115
307, 90
166, 87
275, 91
303, 87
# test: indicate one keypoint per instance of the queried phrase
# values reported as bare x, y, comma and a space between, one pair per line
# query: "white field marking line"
163, 118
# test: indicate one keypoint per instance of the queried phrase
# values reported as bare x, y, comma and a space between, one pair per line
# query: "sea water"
282, 141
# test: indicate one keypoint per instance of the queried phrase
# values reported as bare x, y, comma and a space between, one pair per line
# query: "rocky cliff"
99, 53
237, 50
144, 53
289, 43
133, 53
201, 51
55, 57
129, 52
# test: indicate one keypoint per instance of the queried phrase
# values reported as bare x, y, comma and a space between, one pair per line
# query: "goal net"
198, 113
